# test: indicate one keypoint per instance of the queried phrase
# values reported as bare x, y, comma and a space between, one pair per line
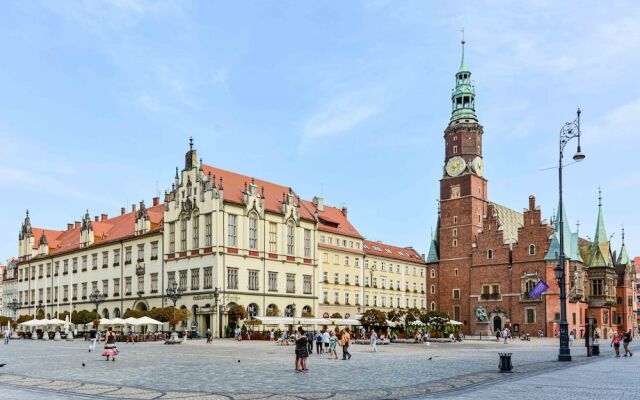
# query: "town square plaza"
252, 370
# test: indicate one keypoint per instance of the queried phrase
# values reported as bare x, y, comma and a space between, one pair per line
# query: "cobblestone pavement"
256, 370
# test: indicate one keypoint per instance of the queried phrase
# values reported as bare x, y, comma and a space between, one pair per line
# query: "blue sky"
347, 100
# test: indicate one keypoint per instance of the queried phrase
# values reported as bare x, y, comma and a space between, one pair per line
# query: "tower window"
454, 232
455, 149
455, 243
455, 219
489, 254
532, 250
455, 271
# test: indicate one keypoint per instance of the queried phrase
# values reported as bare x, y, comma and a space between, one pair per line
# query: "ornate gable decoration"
86, 222
291, 207
253, 201
25, 230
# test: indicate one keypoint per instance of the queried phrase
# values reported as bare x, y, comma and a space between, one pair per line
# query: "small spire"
622, 234
27, 213
253, 180
220, 187
191, 143
578, 227
599, 196
463, 67
176, 177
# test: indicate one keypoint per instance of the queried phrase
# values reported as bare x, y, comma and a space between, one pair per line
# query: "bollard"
505, 362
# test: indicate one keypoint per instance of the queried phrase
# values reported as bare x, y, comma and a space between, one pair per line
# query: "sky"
346, 100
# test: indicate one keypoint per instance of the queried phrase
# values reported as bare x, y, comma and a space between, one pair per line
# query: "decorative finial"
191, 143
599, 196
27, 213
623, 234
578, 227
176, 172
462, 41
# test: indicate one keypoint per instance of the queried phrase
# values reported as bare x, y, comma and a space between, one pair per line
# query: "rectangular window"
105, 287
65, 292
94, 261
366, 300
306, 284
208, 277
141, 252
307, 243
357, 279
172, 237
182, 284
183, 235
456, 313
346, 261
336, 298
325, 297
325, 257
49, 294
253, 279
346, 299
356, 262
94, 286
171, 277
116, 286
325, 277
127, 255
291, 229
195, 279
336, 278
253, 232
84, 264
596, 287
55, 294
195, 225
531, 315
140, 284
116, 257
346, 279
456, 294
232, 278
208, 234
105, 259
154, 250
65, 267
154, 282
273, 237
75, 291
357, 296
291, 283
232, 230
127, 286
273, 281
84, 290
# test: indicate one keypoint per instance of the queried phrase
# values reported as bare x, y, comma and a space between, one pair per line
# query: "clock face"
455, 166
478, 166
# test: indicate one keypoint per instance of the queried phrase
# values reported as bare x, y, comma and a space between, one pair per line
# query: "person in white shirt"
7, 335
326, 339
374, 341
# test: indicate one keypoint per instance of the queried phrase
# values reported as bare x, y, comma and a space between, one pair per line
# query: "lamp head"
579, 156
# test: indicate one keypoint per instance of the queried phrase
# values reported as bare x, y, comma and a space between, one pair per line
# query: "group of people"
625, 338
326, 343
110, 349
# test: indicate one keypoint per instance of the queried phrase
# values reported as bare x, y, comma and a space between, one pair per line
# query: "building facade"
485, 258
225, 240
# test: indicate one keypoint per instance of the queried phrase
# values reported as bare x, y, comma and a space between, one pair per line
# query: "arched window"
291, 229
528, 286
489, 254
116, 313
289, 311
306, 312
272, 310
105, 313
433, 306
253, 231
433, 273
532, 249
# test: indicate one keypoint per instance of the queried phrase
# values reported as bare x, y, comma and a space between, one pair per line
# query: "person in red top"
615, 342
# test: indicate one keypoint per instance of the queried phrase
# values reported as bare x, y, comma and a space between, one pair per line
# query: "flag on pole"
538, 289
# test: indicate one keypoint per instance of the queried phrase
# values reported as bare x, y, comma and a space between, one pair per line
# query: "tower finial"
623, 234
599, 196
190, 142
578, 227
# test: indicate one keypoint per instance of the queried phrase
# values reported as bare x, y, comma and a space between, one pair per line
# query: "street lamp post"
96, 298
174, 293
569, 131
14, 305
372, 268
216, 296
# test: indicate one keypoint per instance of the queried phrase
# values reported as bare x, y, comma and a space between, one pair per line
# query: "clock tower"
463, 198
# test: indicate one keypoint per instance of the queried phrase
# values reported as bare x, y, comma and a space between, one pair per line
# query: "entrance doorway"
497, 323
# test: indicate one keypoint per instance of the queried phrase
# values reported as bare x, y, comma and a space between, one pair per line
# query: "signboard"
203, 297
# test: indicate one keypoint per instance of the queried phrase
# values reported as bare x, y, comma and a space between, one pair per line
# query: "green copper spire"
463, 95
434, 253
571, 249
600, 253
623, 258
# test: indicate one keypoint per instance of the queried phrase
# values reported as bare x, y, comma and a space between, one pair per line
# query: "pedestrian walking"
571, 339
326, 340
333, 344
7, 334
615, 343
302, 350
310, 337
110, 349
272, 335
363, 333
505, 335
626, 339
498, 335
318, 339
374, 341
93, 337
130, 336
209, 336
344, 342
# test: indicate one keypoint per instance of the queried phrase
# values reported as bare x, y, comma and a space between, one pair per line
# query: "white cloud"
339, 116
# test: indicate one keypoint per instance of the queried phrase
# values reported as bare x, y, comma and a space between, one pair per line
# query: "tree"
181, 314
436, 320
374, 317
136, 314
413, 314
24, 318
4, 321
85, 317
237, 312
336, 315
396, 315
163, 314
63, 315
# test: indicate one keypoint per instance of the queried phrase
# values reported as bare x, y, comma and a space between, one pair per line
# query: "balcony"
84, 297
525, 298
490, 296
154, 258
140, 292
116, 264
65, 299
140, 259
337, 303
105, 266
326, 302
116, 294
127, 262
357, 284
325, 281
95, 267
84, 269
154, 290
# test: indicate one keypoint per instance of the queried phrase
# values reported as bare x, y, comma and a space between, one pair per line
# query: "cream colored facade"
253, 243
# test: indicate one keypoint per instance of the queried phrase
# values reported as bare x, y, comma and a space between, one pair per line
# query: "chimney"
344, 210
96, 218
156, 201
69, 227
103, 217
532, 202
77, 224
319, 203
133, 207
122, 210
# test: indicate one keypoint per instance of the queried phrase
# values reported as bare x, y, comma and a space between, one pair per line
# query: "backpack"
319, 337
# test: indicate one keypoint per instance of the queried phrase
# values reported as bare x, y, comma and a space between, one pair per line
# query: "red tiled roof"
109, 230
385, 250
330, 219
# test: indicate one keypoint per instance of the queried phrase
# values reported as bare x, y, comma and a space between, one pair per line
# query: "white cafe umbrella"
148, 321
57, 321
452, 322
31, 322
118, 321
131, 321
105, 321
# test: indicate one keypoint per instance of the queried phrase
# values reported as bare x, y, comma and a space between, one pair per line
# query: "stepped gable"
508, 222
399, 253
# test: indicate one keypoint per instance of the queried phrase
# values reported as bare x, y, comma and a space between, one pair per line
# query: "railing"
490, 296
